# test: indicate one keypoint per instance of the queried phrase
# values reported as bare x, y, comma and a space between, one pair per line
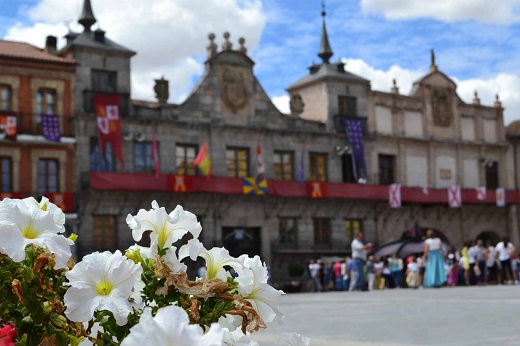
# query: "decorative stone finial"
211, 49
433, 67
498, 104
87, 18
476, 99
242, 48
161, 88
227, 45
395, 89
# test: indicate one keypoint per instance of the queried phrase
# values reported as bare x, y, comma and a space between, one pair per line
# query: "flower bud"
47, 307
134, 255
58, 320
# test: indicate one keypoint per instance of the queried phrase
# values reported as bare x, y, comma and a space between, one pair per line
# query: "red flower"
6, 335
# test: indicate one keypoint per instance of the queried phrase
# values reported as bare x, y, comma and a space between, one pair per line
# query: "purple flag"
51, 127
354, 131
301, 172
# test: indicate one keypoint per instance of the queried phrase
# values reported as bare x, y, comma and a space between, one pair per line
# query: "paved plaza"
448, 316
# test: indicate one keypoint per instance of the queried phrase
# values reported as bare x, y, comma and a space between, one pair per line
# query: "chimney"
99, 36
51, 43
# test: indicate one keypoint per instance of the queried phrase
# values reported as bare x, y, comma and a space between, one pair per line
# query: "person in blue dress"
435, 274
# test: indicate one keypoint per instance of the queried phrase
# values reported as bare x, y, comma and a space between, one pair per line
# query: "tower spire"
87, 18
325, 51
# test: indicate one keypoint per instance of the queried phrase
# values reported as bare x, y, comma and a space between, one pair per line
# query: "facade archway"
490, 236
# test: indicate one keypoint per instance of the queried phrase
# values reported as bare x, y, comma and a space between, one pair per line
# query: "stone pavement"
447, 316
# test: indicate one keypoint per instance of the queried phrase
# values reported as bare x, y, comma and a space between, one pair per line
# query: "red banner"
109, 124
8, 126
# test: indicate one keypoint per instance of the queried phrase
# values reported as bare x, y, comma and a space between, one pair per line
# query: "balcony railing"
30, 123
124, 102
104, 181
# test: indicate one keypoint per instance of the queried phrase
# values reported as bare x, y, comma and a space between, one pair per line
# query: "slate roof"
86, 39
333, 70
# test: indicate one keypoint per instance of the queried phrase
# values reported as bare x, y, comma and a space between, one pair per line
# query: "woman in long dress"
435, 274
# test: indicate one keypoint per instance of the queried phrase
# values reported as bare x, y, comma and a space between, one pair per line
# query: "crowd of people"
475, 263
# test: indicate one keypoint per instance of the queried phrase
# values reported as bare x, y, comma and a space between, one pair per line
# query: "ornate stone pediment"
442, 109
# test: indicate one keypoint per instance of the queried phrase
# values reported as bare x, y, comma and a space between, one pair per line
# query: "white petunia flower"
36, 223
171, 326
253, 286
216, 259
294, 339
57, 214
101, 281
166, 228
237, 338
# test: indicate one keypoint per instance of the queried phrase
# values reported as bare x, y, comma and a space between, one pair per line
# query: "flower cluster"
143, 296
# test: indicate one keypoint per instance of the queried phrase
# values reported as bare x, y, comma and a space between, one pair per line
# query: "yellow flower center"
163, 233
29, 233
104, 288
43, 207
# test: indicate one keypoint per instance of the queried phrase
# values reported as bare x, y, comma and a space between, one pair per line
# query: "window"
46, 101
6, 167
318, 164
237, 161
104, 233
143, 157
101, 164
185, 154
47, 176
492, 175
352, 226
288, 228
386, 169
105, 81
5, 98
283, 165
347, 106
322, 231
348, 169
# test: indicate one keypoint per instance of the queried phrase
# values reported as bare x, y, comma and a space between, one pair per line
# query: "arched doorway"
490, 236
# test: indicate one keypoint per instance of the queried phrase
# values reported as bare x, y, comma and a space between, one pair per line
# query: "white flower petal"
171, 326
12, 243
170, 258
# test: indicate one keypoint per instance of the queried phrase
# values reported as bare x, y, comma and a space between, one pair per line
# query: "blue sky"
477, 42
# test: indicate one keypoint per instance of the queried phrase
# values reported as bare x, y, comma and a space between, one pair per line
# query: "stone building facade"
313, 200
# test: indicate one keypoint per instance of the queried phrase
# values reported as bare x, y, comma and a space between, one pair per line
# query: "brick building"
37, 144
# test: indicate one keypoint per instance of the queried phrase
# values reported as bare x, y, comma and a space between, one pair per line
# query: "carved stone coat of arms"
442, 108
234, 92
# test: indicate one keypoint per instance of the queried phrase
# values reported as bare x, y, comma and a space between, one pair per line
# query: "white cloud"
504, 84
168, 36
282, 103
503, 11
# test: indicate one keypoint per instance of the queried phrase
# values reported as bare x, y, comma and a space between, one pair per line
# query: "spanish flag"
202, 160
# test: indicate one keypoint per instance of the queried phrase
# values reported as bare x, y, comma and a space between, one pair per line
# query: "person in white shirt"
314, 269
491, 263
435, 275
359, 253
505, 250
